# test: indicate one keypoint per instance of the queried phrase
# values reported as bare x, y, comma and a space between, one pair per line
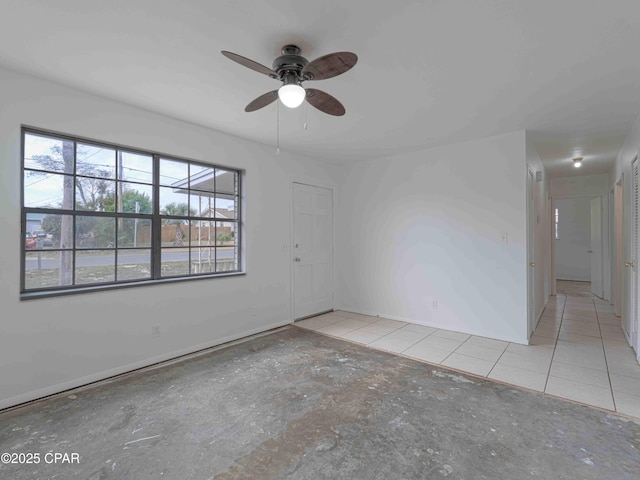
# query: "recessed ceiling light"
577, 162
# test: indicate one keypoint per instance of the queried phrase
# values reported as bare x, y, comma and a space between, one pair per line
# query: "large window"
95, 214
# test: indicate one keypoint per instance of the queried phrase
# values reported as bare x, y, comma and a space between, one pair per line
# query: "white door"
312, 250
631, 324
596, 247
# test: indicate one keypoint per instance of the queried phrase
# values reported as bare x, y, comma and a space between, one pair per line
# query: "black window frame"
156, 217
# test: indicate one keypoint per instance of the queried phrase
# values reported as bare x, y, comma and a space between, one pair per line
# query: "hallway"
578, 351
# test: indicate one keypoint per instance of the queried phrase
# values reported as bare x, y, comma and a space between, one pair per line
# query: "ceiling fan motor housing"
290, 63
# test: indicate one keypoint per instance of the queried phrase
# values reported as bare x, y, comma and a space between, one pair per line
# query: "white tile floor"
578, 351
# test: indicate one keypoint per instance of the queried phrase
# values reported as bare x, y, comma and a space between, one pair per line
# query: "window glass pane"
203, 260
226, 261
174, 173
134, 264
174, 202
95, 266
34, 228
95, 161
201, 204
47, 190
202, 178
175, 232
95, 232
226, 181
135, 167
174, 261
51, 227
226, 206
203, 233
48, 153
42, 270
225, 234
95, 194
134, 232
135, 198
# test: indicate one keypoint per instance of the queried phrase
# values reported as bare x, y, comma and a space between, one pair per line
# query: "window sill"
101, 288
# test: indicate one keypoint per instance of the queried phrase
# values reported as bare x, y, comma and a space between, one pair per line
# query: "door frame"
531, 252
634, 323
552, 247
599, 233
603, 220
289, 248
618, 283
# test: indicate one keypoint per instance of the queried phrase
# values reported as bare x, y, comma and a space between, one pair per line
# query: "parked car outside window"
30, 242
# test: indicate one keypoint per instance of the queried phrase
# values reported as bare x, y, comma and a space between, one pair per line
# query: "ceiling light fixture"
291, 93
577, 162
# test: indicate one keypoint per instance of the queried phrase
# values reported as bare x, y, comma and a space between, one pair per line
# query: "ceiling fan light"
291, 95
577, 162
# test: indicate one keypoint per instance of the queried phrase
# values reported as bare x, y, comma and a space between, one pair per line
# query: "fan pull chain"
277, 127
305, 115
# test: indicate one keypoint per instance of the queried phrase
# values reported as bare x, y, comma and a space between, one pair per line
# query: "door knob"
589, 251
532, 264
297, 259
629, 264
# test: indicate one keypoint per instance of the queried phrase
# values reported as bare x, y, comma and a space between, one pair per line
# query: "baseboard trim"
107, 376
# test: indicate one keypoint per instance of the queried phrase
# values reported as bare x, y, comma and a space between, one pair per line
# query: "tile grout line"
454, 351
387, 334
555, 346
418, 341
606, 363
496, 362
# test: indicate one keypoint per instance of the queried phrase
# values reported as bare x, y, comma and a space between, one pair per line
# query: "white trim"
531, 252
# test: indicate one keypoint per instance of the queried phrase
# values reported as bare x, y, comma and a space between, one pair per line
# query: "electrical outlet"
434, 304
155, 330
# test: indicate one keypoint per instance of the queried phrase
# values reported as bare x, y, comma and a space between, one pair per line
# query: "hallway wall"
622, 170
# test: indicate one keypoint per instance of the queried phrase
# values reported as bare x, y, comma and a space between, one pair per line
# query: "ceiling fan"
292, 69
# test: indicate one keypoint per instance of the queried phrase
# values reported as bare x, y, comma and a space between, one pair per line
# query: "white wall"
428, 226
622, 170
573, 261
583, 186
55, 343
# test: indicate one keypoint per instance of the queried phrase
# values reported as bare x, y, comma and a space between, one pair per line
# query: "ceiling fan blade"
262, 101
329, 65
250, 64
325, 102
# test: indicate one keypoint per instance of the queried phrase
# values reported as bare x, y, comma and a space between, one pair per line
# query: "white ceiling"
430, 72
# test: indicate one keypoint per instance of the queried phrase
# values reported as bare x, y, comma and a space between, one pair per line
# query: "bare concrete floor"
299, 405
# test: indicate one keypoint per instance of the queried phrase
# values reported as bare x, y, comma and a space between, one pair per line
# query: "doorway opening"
579, 243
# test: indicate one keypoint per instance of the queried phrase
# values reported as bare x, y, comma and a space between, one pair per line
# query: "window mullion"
156, 226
